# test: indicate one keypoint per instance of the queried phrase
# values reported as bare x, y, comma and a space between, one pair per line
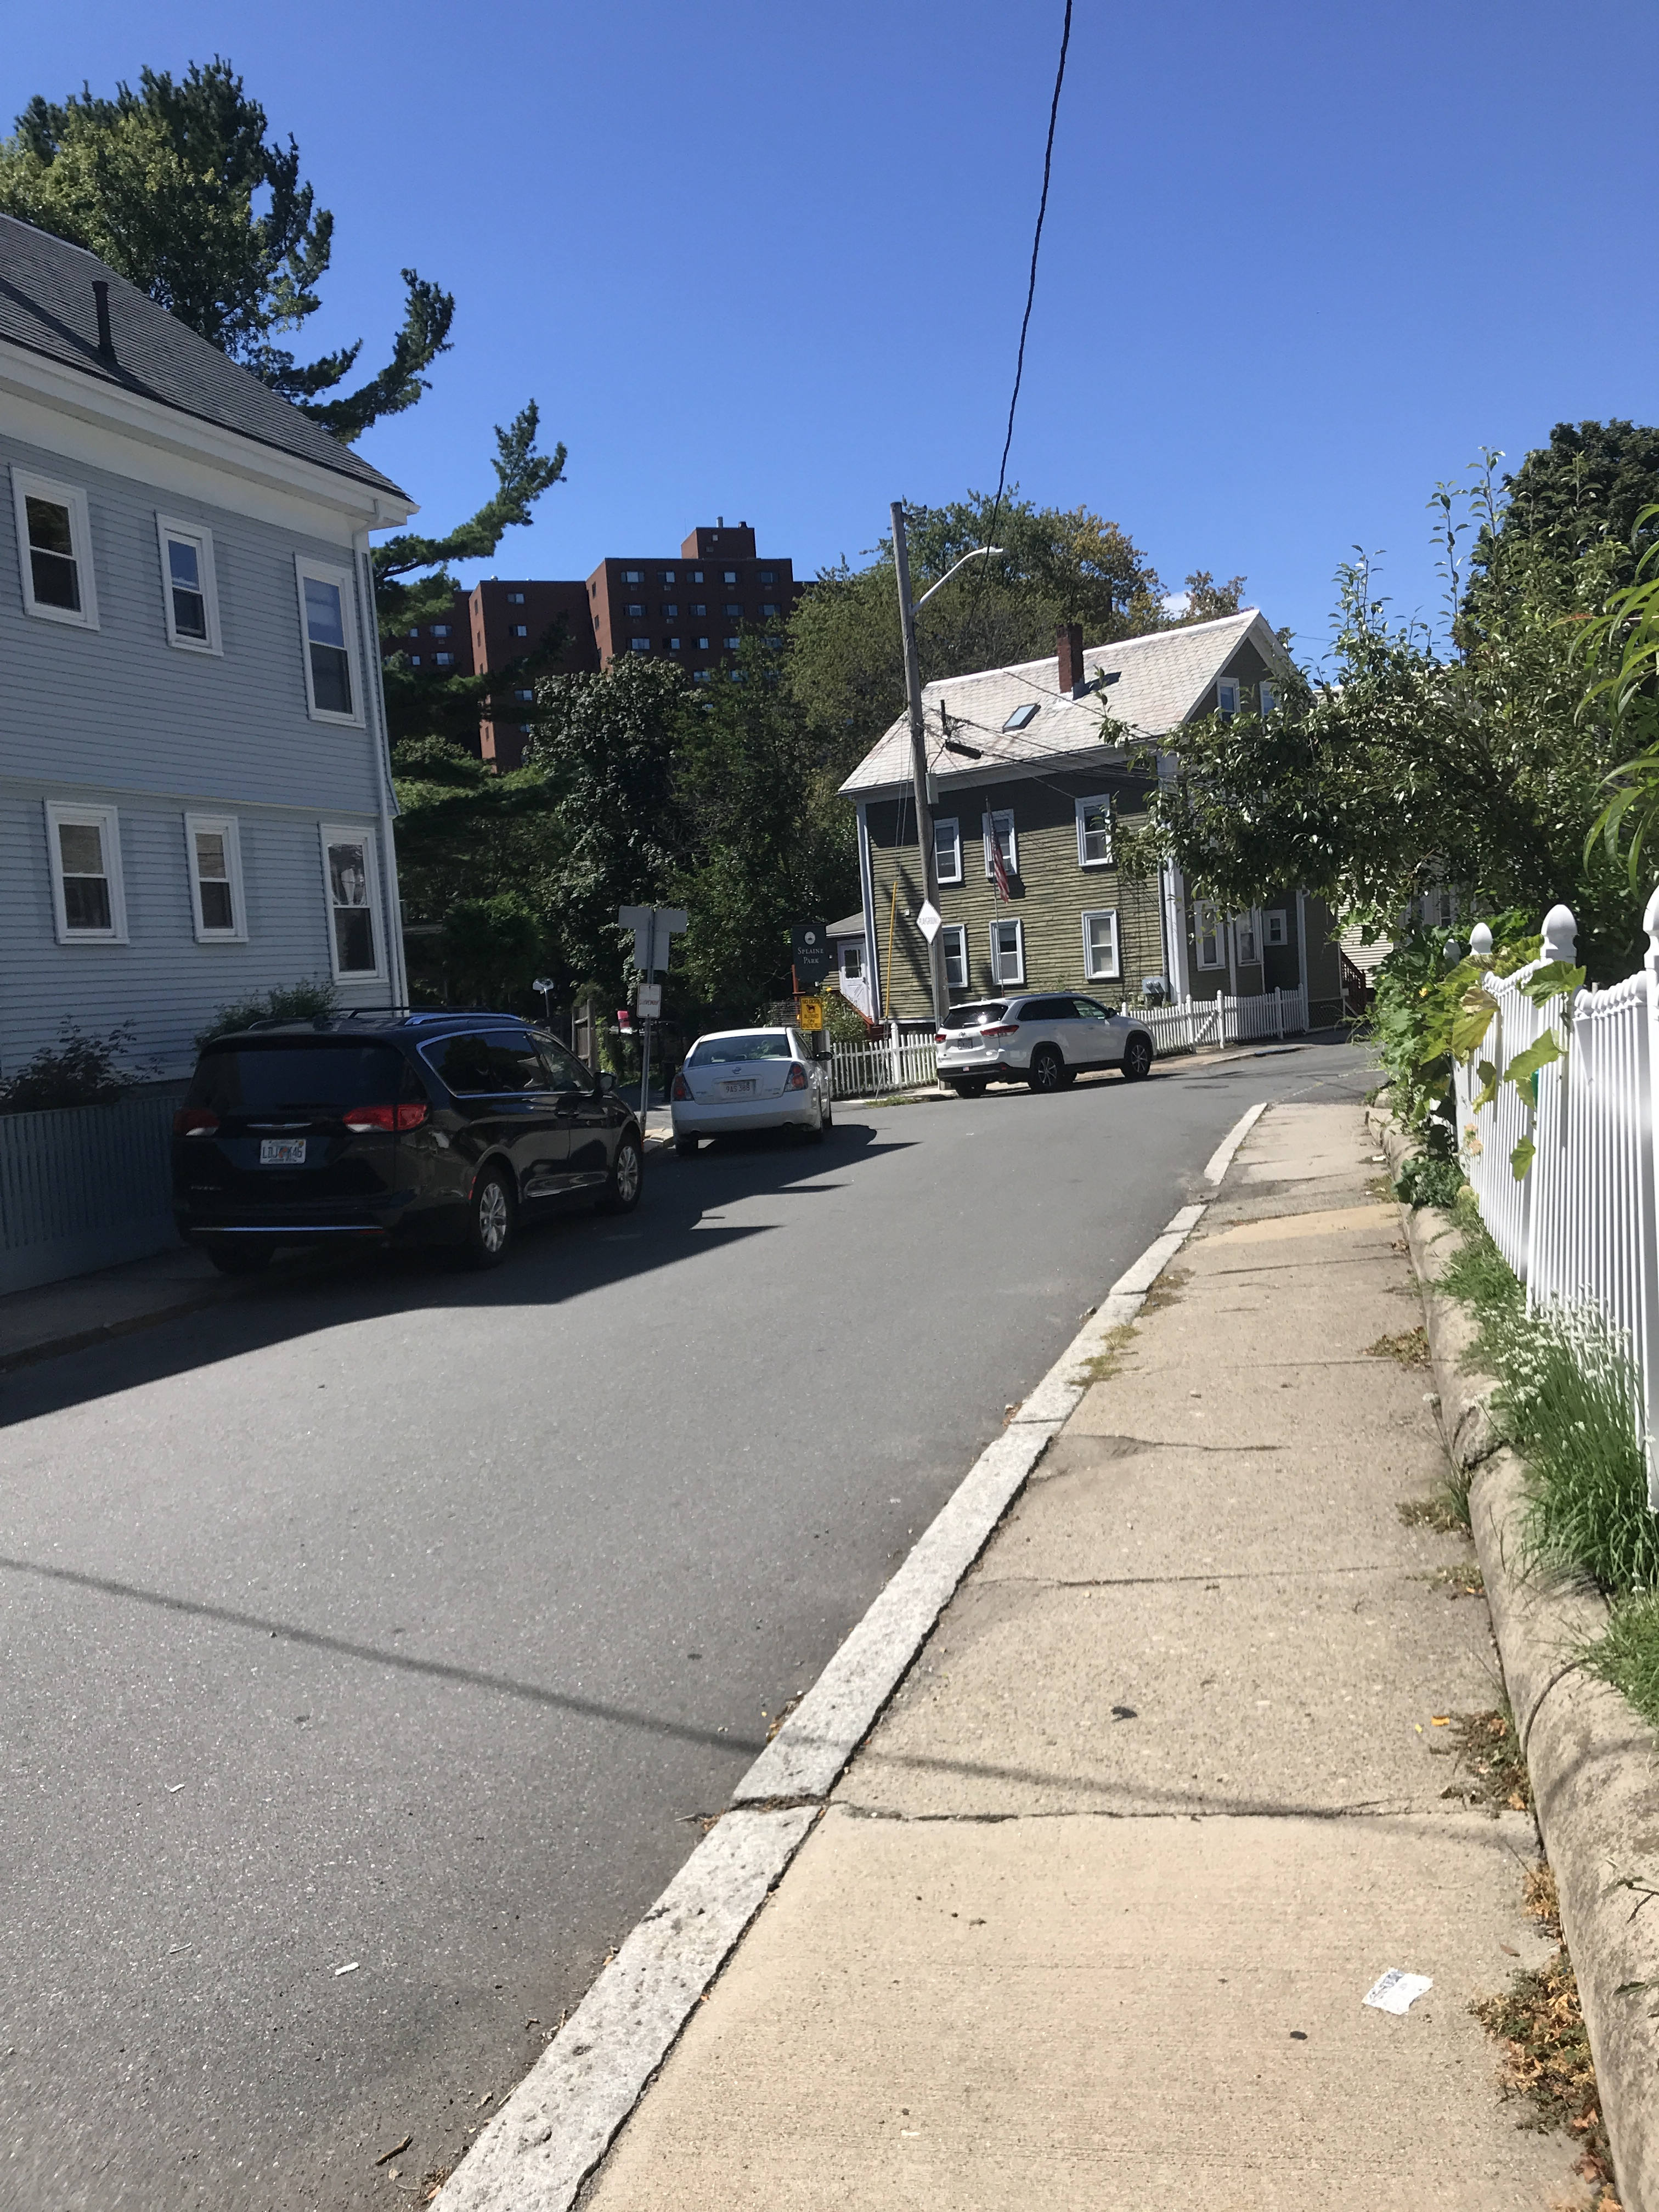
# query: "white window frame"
1269, 693
168, 525
1100, 799
1250, 920
1002, 982
1115, 973
353, 833
1207, 922
25, 485
323, 572
1228, 693
107, 820
998, 815
1275, 929
951, 821
226, 826
953, 935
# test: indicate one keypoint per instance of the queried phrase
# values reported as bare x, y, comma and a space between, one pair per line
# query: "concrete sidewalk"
1089, 1918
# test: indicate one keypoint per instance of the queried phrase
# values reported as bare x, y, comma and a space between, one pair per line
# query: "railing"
1575, 1215
84, 1187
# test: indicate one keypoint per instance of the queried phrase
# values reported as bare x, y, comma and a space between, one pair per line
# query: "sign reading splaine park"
808, 951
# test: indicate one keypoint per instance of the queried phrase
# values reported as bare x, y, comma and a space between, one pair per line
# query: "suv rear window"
755, 1044
248, 1079
973, 1017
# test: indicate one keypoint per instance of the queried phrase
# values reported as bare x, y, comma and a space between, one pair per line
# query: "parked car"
414, 1128
736, 1081
1042, 1038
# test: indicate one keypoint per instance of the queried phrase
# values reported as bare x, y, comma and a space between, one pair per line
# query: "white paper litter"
1397, 1991
350, 1967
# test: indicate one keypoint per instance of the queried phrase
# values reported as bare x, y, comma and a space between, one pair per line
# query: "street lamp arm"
977, 553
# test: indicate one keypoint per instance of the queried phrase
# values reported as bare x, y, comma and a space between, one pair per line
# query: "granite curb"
1590, 1758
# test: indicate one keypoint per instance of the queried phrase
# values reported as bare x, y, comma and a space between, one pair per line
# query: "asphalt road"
373, 1645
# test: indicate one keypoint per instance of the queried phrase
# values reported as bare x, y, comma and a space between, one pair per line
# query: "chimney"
1068, 645
105, 340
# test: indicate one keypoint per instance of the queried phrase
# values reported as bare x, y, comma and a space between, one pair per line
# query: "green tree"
177, 186
845, 665
1581, 496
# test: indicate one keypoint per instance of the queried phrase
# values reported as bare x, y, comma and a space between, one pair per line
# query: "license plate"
282, 1152
736, 1089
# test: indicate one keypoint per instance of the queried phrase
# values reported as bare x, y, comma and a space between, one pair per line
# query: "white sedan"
735, 1080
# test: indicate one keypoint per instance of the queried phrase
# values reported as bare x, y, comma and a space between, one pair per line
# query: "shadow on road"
567, 1255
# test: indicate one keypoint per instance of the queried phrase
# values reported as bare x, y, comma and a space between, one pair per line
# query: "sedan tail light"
681, 1088
1002, 1029
409, 1116
194, 1121
796, 1078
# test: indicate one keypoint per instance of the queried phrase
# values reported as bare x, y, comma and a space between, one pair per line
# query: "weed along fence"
1556, 1132
84, 1187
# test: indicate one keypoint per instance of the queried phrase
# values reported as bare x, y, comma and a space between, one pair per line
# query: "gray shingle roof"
46, 307
1160, 681
850, 925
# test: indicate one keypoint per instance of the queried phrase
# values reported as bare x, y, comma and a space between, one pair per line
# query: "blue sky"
1302, 259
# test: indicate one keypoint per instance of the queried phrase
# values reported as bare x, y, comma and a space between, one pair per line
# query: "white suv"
1042, 1038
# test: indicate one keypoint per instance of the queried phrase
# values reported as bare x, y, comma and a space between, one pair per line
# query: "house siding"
1051, 893
118, 717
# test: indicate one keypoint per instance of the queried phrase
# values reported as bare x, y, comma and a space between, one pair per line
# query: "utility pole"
919, 763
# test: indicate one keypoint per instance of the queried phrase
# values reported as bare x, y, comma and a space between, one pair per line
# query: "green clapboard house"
1037, 766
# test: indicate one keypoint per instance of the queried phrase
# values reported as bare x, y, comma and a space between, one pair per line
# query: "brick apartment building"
691, 608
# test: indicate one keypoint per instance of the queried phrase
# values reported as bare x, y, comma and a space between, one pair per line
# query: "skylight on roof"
1023, 717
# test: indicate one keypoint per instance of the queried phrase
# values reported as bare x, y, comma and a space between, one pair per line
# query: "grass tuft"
1627, 1656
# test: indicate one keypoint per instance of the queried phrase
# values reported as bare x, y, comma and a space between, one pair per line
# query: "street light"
545, 984
907, 613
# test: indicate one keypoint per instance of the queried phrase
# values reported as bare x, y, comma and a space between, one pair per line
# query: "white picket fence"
1192, 1022
903, 1058
1579, 1224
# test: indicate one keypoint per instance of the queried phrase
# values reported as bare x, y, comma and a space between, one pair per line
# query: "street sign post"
654, 928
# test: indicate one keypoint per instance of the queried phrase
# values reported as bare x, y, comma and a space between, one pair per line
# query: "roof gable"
47, 308
1157, 682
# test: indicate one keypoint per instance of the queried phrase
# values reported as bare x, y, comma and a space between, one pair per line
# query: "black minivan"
422, 1128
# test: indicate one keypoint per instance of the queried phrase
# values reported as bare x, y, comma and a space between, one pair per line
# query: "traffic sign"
647, 1001
809, 952
929, 920
652, 927
809, 1013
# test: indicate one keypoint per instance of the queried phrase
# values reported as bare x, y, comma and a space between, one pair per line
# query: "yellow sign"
809, 1013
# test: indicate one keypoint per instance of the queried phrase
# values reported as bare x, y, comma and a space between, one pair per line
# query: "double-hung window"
1206, 929
1100, 961
1001, 827
351, 884
83, 845
325, 616
1269, 697
947, 849
954, 938
1008, 952
1276, 927
1094, 833
1226, 697
54, 545
189, 596
1246, 939
213, 847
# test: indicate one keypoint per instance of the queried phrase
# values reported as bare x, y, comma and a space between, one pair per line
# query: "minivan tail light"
195, 1122
1002, 1029
682, 1088
796, 1078
409, 1116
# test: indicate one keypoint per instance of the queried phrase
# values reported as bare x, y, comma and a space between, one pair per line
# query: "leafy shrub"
1425, 1180
290, 1002
1421, 990
79, 1070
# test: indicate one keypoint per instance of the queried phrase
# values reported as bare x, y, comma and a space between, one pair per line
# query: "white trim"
1223, 684
225, 826
363, 833
392, 891
867, 885
1267, 693
953, 824
996, 814
1104, 801
1001, 980
198, 535
1115, 973
959, 931
325, 572
1269, 942
1250, 920
1301, 946
106, 821
1213, 929
25, 485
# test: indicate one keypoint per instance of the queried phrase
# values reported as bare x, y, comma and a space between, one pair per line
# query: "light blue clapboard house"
195, 789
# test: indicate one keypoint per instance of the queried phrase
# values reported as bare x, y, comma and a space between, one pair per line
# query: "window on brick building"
515, 598
766, 576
